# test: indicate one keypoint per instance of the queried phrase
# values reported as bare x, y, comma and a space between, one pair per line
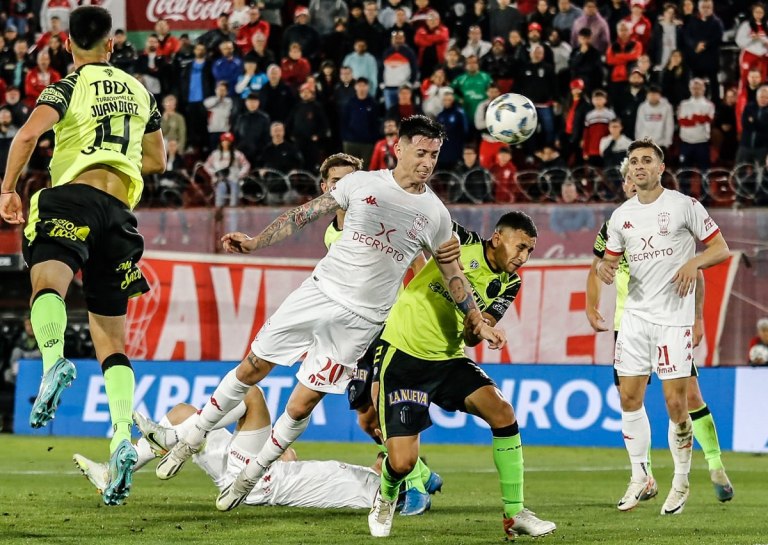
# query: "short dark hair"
421, 125
646, 143
586, 32
339, 160
89, 25
518, 220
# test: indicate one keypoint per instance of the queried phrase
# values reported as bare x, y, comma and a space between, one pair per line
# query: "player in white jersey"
704, 430
655, 231
320, 484
335, 314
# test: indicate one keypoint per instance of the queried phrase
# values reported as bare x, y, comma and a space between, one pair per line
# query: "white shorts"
643, 347
332, 337
325, 485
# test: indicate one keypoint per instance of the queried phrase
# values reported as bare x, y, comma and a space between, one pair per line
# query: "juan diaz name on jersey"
657, 239
384, 229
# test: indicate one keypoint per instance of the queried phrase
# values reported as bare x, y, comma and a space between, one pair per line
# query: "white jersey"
385, 228
319, 484
657, 239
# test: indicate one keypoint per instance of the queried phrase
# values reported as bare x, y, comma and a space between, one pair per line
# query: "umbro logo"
628, 225
370, 199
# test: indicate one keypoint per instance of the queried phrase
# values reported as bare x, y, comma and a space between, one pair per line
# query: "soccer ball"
758, 354
511, 118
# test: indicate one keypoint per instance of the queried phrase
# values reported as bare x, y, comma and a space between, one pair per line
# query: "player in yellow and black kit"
107, 135
420, 360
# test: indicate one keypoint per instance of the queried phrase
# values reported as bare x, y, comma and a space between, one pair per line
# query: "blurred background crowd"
278, 85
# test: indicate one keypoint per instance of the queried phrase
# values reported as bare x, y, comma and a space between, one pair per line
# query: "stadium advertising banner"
208, 307
568, 405
180, 14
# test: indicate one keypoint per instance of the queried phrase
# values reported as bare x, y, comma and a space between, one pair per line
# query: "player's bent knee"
402, 463
500, 415
253, 368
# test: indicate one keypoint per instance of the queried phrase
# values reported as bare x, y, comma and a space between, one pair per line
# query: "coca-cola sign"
181, 14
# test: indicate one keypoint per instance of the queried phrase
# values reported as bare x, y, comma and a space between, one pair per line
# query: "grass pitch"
44, 500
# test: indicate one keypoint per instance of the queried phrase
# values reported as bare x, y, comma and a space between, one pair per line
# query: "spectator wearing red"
498, 64
39, 78
639, 26
168, 44
404, 106
695, 116
752, 39
596, 127
575, 112
504, 173
255, 24
534, 41
432, 43
384, 150
302, 32
419, 18
295, 67
619, 56
55, 30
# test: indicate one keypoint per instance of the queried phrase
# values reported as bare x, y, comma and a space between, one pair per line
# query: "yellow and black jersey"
103, 116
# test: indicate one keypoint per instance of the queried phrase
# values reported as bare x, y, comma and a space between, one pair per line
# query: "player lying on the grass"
416, 500
657, 231
420, 360
704, 430
107, 136
338, 311
320, 484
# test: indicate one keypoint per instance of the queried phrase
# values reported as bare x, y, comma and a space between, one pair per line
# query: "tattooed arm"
284, 226
462, 294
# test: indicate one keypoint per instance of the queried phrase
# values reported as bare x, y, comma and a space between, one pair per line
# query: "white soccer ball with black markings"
511, 118
758, 354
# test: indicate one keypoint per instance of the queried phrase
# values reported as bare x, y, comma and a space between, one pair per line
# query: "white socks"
228, 394
231, 417
145, 453
249, 443
636, 430
680, 438
284, 433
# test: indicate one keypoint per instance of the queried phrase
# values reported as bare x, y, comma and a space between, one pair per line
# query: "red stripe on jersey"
711, 236
611, 252
696, 119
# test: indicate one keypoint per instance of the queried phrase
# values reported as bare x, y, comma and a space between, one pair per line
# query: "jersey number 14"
104, 134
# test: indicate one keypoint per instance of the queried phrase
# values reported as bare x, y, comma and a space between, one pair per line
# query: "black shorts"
88, 230
366, 373
408, 385
694, 369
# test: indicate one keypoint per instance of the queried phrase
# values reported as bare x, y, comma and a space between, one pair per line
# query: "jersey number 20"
104, 134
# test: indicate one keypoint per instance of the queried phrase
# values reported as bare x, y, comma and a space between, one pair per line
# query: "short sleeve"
614, 243
465, 235
442, 233
155, 118
701, 225
58, 96
343, 189
499, 306
599, 247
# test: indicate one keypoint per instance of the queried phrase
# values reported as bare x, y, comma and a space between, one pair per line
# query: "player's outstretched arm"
594, 288
284, 226
716, 252
606, 268
463, 295
41, 121
153, 155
